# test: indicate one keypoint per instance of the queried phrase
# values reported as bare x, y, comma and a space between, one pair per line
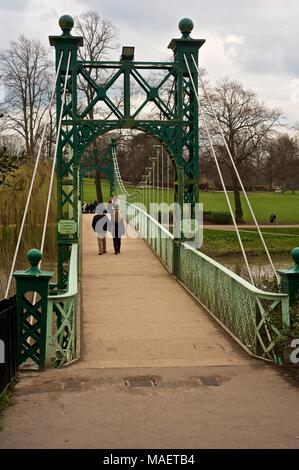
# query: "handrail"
73, 269
242, 309
239, 279
62, 312
161, 227
72, 277
236, 277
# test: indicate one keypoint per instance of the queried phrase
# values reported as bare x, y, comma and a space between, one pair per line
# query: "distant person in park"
273, 218
100, 226
117, 228
94, 206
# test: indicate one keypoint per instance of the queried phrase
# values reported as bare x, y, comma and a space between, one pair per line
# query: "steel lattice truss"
170, 96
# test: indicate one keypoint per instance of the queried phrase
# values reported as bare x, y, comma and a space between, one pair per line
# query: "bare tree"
25, 69
281, 163
99, 37
246, 124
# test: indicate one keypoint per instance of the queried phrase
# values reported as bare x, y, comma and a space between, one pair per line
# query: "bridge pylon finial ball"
295, 255
66, 23
34, 256
186, 26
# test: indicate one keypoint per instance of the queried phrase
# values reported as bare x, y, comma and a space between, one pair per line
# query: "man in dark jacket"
117, 230
100, 226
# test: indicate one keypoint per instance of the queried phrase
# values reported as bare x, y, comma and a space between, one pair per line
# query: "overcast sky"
253, 41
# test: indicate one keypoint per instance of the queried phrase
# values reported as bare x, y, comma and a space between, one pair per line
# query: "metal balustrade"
62, 318
255, 318
154, 233
61, 345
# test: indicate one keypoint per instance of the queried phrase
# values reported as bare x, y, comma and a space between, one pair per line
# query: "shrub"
207, 216
221, 218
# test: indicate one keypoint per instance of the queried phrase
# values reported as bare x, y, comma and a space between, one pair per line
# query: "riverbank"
225, 242
285, 206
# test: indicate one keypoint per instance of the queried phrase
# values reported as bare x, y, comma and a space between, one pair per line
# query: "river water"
259, 265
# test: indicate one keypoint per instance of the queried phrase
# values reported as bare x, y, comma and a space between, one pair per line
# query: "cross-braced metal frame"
176, 127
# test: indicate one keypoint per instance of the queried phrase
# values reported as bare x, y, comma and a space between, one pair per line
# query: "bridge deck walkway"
136, 315
138, 321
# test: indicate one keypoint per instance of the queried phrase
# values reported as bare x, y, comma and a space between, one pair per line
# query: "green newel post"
68, 157
290, 278
186, 110
32, 317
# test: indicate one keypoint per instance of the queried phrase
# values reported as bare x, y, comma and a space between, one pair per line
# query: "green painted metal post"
290, 279
67, 155
32, 318
177, 219
127, 90
186, 106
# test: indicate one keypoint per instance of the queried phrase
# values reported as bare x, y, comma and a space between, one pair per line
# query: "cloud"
254, 42
294, 90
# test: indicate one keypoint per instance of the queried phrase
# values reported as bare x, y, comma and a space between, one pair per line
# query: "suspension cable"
117, 172
153, 182
142, 191
162, 163
32, 182
157, 182
168, 193
220, 174
236, 170
55, 154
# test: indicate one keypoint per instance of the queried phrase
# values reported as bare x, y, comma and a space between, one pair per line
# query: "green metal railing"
62, 318
61, 344
155, 234
255, 318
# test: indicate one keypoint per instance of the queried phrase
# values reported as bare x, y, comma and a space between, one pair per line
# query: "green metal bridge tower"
177, 128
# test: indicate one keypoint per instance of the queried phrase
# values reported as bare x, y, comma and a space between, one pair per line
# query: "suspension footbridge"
129, 331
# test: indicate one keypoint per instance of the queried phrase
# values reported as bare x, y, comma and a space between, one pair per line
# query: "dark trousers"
116, 244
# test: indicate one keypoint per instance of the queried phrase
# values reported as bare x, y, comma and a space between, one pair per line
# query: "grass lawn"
285, 206
275, 230
224, 242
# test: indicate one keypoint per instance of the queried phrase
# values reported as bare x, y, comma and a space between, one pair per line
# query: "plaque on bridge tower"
67, 227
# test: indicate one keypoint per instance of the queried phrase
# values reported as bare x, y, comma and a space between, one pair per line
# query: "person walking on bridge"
117, 227
100, 226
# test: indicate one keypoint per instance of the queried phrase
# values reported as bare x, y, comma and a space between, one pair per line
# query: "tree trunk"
237, 198
97, 182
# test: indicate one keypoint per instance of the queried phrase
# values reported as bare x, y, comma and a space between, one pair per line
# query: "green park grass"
285, 206
280, 241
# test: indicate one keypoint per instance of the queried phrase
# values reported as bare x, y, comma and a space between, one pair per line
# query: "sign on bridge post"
67, 227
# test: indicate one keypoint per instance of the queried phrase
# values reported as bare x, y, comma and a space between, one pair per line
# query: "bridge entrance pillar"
67, 170
186, 109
